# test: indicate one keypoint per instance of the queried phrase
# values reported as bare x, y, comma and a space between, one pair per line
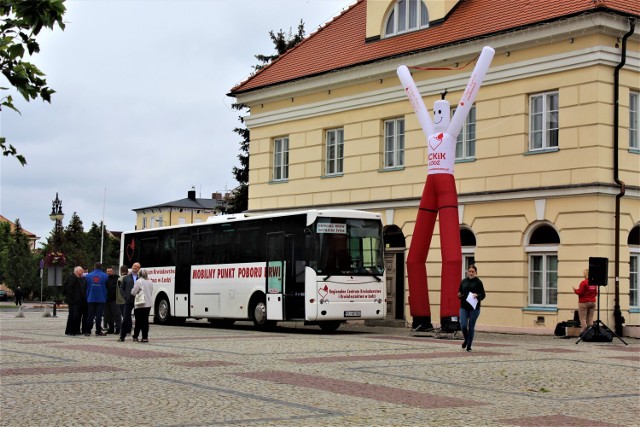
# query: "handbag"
139, 301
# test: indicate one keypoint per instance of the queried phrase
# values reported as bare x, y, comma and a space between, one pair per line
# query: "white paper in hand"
472, 300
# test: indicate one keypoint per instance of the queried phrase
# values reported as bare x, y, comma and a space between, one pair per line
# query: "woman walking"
143, 291
471, 292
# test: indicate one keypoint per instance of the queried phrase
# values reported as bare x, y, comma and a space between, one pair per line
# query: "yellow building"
190, 210
547, 166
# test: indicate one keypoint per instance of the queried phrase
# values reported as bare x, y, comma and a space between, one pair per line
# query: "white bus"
322, 267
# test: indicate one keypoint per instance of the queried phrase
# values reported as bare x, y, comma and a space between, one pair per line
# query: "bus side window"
202, 248
223, 246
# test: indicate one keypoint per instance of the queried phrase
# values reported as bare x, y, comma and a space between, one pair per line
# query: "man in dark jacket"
74, 295
112, 315
126, 285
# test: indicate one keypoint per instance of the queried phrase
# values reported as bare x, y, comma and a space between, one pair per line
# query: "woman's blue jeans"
468, 323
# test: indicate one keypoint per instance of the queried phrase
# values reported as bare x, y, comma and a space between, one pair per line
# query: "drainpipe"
617, 315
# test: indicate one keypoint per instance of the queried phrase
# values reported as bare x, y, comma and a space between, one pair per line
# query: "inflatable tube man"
439, 197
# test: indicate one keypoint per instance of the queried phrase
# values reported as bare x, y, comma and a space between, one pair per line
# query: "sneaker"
468, 348
144, 340
101, 334
464, 344
135, 339
87, 335
121, 339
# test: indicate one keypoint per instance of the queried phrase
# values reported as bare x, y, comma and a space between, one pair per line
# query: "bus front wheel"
162, 312
259, 315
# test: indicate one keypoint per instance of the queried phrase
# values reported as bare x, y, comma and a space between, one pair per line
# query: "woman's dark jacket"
473, 286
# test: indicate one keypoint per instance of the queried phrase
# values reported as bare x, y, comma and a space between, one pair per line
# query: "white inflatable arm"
470, 93
416, 100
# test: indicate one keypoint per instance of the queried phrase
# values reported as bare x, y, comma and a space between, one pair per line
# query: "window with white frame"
543, 266
634, 267
335, 152
281, 159
405, 16
393, 143
144, 222
543, 121
468, 243
543, 279
634, 120
634, 274
466, 143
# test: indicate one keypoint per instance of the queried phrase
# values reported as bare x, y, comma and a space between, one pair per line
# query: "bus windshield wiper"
325, 279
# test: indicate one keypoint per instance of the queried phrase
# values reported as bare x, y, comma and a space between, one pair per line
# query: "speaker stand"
597, 324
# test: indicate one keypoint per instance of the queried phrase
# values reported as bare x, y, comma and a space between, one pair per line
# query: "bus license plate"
353, 313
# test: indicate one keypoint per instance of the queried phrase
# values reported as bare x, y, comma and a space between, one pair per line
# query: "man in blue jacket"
96, 299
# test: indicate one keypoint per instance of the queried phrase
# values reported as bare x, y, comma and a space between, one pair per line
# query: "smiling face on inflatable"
441, 115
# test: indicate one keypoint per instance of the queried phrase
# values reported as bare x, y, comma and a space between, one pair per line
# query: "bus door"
183, 277
279, 261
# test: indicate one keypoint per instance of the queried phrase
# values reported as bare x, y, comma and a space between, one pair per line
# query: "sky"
140, 115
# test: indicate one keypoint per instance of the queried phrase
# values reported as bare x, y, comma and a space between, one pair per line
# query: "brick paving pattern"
196, 375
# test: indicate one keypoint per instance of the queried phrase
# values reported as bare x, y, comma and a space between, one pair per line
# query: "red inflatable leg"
419, 305
451, 262
416, 264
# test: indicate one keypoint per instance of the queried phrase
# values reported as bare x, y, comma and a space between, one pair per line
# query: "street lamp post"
57, 216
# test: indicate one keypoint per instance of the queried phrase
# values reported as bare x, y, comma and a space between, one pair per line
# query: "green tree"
110, 246
5, 243
21, 21
92, 247
21, 270
282, 42
75, 244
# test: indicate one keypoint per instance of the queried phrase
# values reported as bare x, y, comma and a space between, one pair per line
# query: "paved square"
196, 375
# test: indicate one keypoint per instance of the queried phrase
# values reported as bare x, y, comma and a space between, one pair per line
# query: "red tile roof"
341, 43
27, 233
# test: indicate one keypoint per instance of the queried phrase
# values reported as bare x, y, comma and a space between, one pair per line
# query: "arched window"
468, 243
405, 16
542, 247
634, 269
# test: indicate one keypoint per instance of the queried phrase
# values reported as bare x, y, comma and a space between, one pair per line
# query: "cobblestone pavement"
196, 375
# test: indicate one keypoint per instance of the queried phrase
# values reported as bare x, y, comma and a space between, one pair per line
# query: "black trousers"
142, 322
126, 320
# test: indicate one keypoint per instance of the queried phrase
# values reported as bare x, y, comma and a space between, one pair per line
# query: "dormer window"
406, 15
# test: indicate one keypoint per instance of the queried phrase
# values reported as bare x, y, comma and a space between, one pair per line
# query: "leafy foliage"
5, 243
282, 43
21, 269
21, 21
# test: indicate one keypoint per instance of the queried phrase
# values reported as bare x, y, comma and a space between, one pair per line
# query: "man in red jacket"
587, 294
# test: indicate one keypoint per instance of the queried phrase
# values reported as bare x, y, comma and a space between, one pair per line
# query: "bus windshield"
347, 247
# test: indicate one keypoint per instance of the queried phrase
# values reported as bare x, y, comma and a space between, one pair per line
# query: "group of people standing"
90, 296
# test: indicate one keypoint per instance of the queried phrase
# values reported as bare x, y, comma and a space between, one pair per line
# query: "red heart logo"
131, 247
323, 291
437, 139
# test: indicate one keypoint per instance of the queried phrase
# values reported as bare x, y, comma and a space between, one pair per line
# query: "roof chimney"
191, 194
